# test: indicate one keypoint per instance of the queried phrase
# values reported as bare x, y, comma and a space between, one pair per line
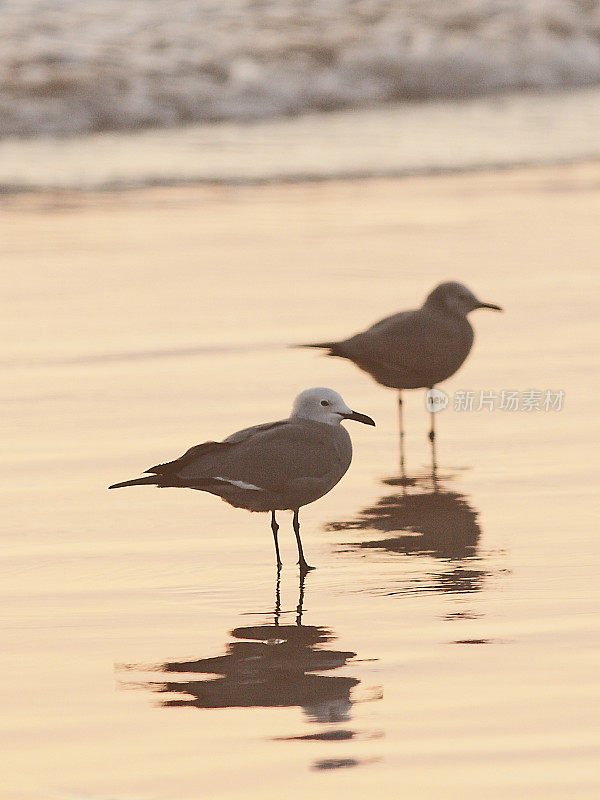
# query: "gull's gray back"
412, 349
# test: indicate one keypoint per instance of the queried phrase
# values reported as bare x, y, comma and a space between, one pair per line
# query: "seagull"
415, 349
272, 467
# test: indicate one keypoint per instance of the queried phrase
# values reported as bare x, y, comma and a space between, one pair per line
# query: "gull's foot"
431, 436
304, 567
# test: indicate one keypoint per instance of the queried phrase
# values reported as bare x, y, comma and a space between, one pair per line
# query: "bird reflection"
265, 666
436, 522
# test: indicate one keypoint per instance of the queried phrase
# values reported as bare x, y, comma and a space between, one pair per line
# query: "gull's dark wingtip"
151, 480
315, 345
331, 348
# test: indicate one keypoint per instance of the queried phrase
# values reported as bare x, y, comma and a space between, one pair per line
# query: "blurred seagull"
415, 349
275, 466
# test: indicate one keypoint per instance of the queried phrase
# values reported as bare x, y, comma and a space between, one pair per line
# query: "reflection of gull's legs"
275, 529
304, 567
401, 421
277, 611
299, 607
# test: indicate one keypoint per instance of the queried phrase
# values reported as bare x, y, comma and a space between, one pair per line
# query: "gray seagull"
271, 467
415, 349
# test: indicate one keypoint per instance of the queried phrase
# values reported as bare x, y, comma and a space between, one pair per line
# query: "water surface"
447, 644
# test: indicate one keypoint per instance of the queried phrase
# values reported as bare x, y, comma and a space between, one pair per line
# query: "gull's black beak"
358, 417
493, 306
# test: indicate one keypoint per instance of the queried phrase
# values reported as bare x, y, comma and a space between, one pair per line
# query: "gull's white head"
325, 405
456, 298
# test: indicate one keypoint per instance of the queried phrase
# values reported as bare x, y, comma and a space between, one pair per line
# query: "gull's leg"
401, 421
304, 567
275, 529
432, 439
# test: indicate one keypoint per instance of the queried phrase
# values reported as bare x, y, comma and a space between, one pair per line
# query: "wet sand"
449, 640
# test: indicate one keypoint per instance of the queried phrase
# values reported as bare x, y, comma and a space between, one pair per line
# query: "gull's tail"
151, 480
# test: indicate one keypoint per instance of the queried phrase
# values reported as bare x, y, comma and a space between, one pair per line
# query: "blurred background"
71, 67
378, 80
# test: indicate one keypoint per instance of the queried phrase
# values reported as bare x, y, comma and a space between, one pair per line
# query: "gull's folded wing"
271, 457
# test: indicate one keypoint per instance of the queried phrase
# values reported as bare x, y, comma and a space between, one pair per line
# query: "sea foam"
77, 66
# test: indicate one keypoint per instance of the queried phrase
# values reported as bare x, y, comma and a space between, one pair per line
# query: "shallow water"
447, 644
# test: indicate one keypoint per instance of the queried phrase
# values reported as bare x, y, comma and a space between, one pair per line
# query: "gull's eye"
324, 402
